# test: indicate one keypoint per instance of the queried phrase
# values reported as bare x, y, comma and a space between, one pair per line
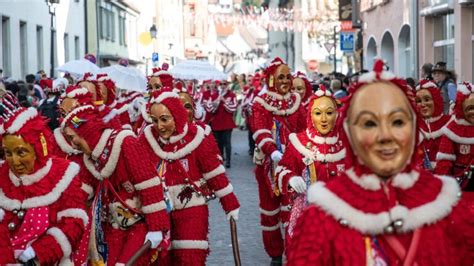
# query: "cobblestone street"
245, 187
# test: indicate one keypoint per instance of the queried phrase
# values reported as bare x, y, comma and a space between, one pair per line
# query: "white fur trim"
263, 141
100, 146
369, 182
62, 240
190, 147
122, 109
161, 72
155, 207
114, 156
316, 156
371, 76
259, 132
278, 96
462, 88
145, 114
74, 213
2, 214
225, 191
163, 96
207, 130
75, 112
436, 210
152, 182
88, 189
371, 223
274, 110
190, 244
30, 179
174, 139
281, 171
455, 138
20, 120
269, 213
285, 208
322, 140
217, 171
110, 115
427, 85
445, 156
270, 228
433, 134
321, 93
76, 92
462, 122
63, 143
44, 200
405, 180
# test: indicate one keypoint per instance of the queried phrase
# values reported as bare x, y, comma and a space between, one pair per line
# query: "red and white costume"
456, 149
223, 113
192, 173
413, 218
314, 158
44, 210
309, 90
210, 103
275, 116
432, 128
125, 183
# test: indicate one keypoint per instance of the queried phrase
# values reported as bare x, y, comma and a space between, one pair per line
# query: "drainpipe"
415, 65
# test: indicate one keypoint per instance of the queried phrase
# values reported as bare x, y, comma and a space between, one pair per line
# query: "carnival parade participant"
127, 188
456, 148
430, 105
41, 201
222, 122
383, 210
191, 172
195, 112
210, 98
316, 154
276, 114
302, 86
49, 107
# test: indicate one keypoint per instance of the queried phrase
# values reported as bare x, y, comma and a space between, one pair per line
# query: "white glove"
233, 214
276, 156
298, 184
27, 254
155, 238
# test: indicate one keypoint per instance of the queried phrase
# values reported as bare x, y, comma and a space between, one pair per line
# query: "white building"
25, 35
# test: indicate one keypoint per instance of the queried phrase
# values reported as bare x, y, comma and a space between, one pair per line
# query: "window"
107, 22
77, 48
23, 49
39, 48
444, 40
122, 29
66, 47
6, 56
55, 53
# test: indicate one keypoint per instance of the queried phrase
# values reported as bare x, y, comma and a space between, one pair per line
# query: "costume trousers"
123, 244
269, 215
251, 141
223, 138
189, 230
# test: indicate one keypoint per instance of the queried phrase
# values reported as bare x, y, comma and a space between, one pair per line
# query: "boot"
276, 261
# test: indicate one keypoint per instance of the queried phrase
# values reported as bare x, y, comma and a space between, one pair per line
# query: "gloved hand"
298, 184
233, 214
27, 255
155, 238
276, 156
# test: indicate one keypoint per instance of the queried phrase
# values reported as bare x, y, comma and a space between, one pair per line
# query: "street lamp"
52, 11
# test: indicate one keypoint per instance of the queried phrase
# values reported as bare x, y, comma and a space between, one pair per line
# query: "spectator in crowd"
337, 89
426, 71
446, 82
411, 82
38, 91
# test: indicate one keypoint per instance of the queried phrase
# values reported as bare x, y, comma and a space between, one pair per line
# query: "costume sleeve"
445, 157
462, 228
263, 123
301, 119
214, 173
147, 184
289, 166
67, 228
310, 244
230, 103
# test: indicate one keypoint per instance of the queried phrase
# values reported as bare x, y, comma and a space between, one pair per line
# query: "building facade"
25, 36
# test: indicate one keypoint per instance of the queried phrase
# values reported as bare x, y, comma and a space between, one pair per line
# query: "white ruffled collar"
321, 139
174, 139
30, 179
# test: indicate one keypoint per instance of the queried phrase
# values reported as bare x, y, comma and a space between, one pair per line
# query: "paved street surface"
245, 187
